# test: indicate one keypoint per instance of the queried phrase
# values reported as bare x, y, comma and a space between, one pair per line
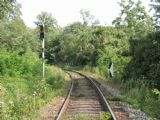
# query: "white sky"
68, 11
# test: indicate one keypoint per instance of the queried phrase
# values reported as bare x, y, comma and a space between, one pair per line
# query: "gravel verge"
133, 113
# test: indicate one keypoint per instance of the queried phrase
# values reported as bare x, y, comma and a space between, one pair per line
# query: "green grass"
21, 97
103, 116
83, 117
143, 98
22, 91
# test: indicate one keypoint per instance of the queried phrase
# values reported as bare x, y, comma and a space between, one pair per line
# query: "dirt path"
50, 110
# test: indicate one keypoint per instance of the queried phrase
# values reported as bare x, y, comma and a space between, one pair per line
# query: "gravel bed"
133, 113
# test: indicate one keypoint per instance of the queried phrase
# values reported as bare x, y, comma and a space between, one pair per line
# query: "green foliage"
9, 9
146, 99
52, 30
55, 78
48, 20
155, 5
134, 17
17, 38
11, 64
105, 116
134, 22
82, 117
144, 63
21, 90
157, 92
132, 45
142, 41
74, 41
87, 18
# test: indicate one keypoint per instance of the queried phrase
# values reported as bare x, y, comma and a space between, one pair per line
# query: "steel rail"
103, 99
65, 103
101, 96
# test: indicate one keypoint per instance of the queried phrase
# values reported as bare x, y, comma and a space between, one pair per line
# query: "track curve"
84, 98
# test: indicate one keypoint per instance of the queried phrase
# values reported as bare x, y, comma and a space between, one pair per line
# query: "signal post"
43, 49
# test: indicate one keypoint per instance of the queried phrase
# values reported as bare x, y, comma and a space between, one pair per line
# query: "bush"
21, 90
142, 97
11, 64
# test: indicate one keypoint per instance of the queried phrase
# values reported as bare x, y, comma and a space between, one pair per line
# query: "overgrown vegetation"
131, 44
102, 116
22, 91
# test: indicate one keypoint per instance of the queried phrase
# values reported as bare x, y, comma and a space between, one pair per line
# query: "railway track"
85, 98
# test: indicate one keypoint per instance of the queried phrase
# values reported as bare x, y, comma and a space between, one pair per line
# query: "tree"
9, 9
15, 13
87, 18
52, 30
139, 33
17, 38
74, 45
133, 17
134, 23
48, 20
156, 6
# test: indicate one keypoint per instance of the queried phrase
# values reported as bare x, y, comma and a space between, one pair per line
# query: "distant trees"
9, 9
123, 40
52, 30
142, 38
14, 35
73, 44
134, 23
76, 44
20, 67
133, 17
87, 18
48, 20
132, 44
128, 44
155, 4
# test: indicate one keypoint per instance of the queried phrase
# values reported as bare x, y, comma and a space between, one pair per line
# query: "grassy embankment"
22, 91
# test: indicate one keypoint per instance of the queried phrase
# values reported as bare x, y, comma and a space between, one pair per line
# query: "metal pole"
43, 60
41, 26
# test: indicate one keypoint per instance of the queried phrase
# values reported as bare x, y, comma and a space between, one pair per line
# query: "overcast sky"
67, 11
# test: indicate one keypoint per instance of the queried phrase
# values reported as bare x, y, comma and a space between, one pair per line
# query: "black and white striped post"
43, 49
111, 72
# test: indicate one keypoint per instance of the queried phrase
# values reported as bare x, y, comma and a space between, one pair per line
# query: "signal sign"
111, 73
41, 32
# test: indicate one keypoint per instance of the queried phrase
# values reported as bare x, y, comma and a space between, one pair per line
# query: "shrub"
21, 90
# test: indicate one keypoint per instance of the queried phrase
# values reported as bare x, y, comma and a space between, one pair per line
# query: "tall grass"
22, 91
142, 97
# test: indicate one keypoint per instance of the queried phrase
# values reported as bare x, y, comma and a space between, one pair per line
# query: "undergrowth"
102, 116
144, 98
22, 90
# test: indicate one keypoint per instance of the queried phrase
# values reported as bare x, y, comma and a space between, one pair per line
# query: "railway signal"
42, 37
41, 31
111, 73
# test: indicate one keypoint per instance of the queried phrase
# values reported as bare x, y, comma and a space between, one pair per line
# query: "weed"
21, 90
